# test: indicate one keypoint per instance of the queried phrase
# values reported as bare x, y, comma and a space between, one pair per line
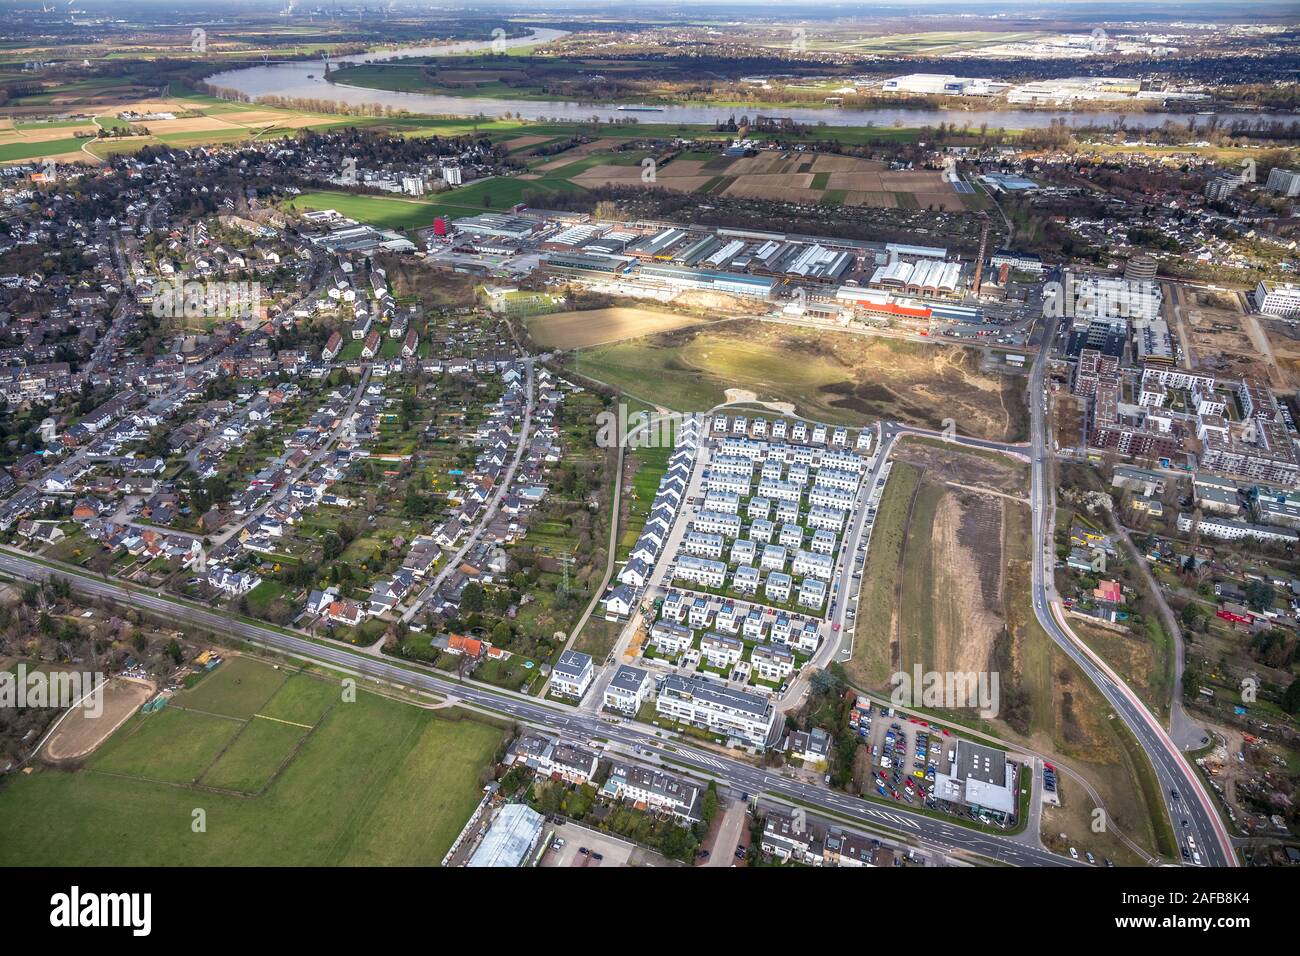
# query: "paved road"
1172, 770
929, 832
1186, 732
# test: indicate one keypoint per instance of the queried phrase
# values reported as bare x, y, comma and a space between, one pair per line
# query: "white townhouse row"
758, 507
1226, 529
703, 544
826, 497
780, 490
670, 636
743, 448
726, 502
663, 512
834, 478
841, 461
823, 518
717, 522
704, 703
732, 465
711, 574
730, 484
808, 563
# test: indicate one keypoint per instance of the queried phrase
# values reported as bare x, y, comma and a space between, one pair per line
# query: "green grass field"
11, 152
251, 760
379, 211
374, 781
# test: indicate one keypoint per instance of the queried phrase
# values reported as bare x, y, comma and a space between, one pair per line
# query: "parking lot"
602, 849
906, 754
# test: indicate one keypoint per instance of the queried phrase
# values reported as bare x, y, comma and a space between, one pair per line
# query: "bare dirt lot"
952, 589
80, 732
1284, 342
575, 330
1222, 340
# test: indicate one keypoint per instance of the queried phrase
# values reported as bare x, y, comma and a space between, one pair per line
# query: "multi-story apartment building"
572, 674
701, 702
773, 662
628, 689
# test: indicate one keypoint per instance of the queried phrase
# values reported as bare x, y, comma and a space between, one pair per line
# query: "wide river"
303, 79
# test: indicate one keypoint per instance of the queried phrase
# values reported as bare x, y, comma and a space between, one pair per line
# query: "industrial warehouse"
829, 279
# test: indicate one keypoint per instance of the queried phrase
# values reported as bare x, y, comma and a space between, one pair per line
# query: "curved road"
1172, 770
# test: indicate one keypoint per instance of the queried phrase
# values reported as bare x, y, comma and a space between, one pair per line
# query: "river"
303, 79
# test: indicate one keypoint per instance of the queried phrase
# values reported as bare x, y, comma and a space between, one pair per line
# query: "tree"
1259, 595
709, 803
1291, 698
1193, 616
471, 599
174, 651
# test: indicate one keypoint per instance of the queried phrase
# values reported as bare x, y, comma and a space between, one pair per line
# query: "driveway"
730, 832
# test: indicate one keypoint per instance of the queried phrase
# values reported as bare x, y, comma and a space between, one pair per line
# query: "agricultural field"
286, 772
927, 44
950, 556
58, 126
794, 177
576, 330
26, 140
836, 377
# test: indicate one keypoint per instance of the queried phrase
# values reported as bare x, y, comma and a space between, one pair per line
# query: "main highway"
934, 833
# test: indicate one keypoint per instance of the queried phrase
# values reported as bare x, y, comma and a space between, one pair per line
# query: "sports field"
379, 211
286, 772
